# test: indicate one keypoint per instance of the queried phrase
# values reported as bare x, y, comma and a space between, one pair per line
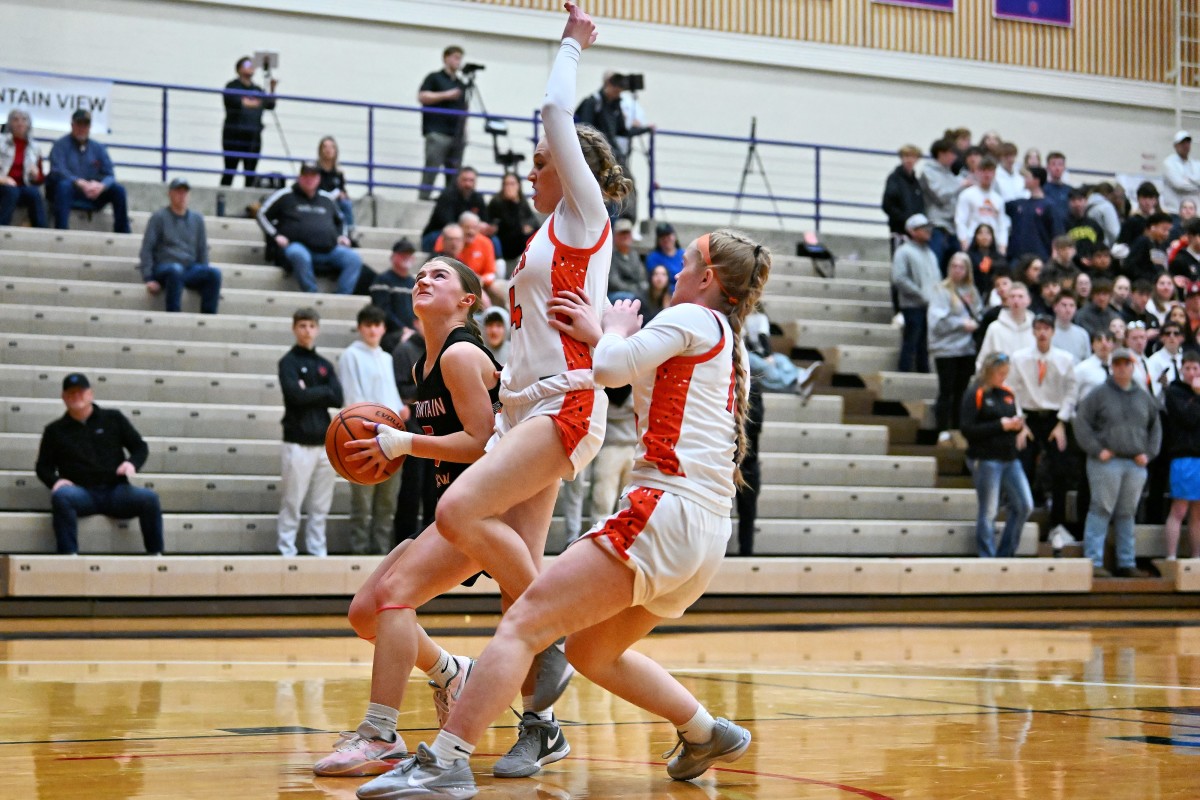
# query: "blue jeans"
944, 244
28, 196
914, 343
1116, 489
347, 209
122, 501
992, 478
175, 277
342, 261
65, 195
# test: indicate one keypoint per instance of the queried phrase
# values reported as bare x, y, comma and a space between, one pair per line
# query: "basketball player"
657, 554
455, 407
552, 423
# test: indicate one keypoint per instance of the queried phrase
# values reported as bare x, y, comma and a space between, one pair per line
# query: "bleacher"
842, 485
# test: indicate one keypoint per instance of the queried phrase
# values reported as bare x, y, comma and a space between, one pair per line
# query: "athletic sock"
527, 706
698, 729
448, 748
443, 671
380, 722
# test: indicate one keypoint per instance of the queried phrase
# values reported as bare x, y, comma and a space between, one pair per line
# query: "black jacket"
450, 205
982, 410
902, 198
306, 408
1183, 421
88, 453
241, 122
606, 116
314, 222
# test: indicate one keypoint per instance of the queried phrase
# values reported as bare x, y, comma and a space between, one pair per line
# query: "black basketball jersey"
434, 407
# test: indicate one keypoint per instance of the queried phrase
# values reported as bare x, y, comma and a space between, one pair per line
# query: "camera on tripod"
510, 159
632, 82
471, 69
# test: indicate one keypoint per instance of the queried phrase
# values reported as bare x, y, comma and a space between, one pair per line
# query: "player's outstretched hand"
572, 313
579, 26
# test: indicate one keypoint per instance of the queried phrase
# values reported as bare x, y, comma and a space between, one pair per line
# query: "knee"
118, 191
169, 272
214, 277
453, 514
63, 499
149, 501
524, 623
362, 615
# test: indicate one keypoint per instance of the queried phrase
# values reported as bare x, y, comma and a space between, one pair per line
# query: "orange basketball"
351, 424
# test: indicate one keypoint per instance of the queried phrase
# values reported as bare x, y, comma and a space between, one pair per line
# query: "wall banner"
51, 101
1046, 12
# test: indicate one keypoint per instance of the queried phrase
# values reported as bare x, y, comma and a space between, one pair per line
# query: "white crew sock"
448, 748
527, 706
444, 670
380, 722
698, 729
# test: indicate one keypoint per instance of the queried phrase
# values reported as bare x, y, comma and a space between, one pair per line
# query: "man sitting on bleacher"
175, 253
310, 232
81, 176
86, 458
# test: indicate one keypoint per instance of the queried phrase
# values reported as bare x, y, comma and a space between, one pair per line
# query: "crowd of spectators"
1059, 320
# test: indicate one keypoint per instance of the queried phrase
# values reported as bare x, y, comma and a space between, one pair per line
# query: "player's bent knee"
362, 615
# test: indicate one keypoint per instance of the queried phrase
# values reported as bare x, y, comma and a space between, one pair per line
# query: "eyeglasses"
1171, 333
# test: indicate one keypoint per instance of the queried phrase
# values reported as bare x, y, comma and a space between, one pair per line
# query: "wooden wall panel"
1130, 39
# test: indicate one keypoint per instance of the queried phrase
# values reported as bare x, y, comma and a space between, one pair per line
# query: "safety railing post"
371, 150
653, 172
817, 188
164, 135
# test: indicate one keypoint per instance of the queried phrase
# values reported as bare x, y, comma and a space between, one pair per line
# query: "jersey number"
514, 309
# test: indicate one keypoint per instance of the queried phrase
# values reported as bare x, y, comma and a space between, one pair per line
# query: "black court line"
328, 633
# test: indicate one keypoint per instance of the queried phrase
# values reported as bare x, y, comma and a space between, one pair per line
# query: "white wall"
800, 92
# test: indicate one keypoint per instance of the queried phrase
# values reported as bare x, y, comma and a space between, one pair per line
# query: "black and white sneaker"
539, 742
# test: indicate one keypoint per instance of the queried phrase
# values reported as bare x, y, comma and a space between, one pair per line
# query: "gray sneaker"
553, 674
539, 742
422, 776
729, 741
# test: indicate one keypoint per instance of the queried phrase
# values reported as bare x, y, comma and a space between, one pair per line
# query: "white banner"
51, 101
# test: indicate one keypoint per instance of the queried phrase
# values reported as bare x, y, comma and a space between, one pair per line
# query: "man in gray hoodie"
915, 275
941, 187
1117, 425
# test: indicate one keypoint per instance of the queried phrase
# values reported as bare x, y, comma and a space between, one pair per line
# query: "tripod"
753, 159
287, 151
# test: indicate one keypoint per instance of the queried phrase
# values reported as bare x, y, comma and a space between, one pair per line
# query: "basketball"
350, 424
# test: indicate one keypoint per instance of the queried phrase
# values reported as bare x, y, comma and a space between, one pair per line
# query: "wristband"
392, 442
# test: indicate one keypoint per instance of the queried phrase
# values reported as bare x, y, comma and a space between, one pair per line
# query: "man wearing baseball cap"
175, 253
392, 291
1181, 175
81, 176
86, 459
915, 275
1117, 425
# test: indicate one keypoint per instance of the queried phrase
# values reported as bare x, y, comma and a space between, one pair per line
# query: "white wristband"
392, 442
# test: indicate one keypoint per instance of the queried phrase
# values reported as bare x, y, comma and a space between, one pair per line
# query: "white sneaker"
1060, 537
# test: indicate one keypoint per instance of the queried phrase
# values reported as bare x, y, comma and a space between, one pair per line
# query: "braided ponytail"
614, 183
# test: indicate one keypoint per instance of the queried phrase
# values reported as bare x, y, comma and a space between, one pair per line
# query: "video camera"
633, 82
471, 69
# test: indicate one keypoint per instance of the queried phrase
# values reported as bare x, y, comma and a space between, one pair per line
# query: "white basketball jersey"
685, 411
539, 354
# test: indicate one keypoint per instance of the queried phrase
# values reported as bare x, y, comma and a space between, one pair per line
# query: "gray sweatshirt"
947, 337
1102, 211
172, 239
940, 187
1124, 421
915, 274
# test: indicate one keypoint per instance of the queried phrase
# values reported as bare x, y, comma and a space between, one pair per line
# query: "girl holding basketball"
455, 406
552, 423
657, 554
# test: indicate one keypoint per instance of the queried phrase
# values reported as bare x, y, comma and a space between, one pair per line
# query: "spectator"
1183, 446
513, 218
1056, 188
1136, 309
333, 181
1191, 305
310, 233
1013, 329
1098, 263
915, 276
627, 277
1068, 336
86, 459
445, 133
495, 334
658, 296
985, 258
1101, 210
175, 253
451, 204
981, 203
81, 176
1117, 426
1083, 288
392, 291
1117, 329
666, 252
1028, 271
310, 388
1095, 369
1181, 174
1147, 205
1048, 291
960, 141
1035, 220
995, 429
971, 159
479, 253
1185, 267
902, 195
1001, 284
614, 461
416, 499
245, 102
991, 144
1033, 158
1148, 253
1187, 213
1166, 365
773, 372
751, 486
367, 375
21, 171
1178, 313
1083, 230
1135, 342
1096, 315
450, 243
1010, 183
941, 187
1043, 381
602, 110
953, 317
1122, 288
1062, 259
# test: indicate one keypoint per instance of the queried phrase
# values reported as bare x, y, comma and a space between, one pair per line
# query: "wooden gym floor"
1039, 705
